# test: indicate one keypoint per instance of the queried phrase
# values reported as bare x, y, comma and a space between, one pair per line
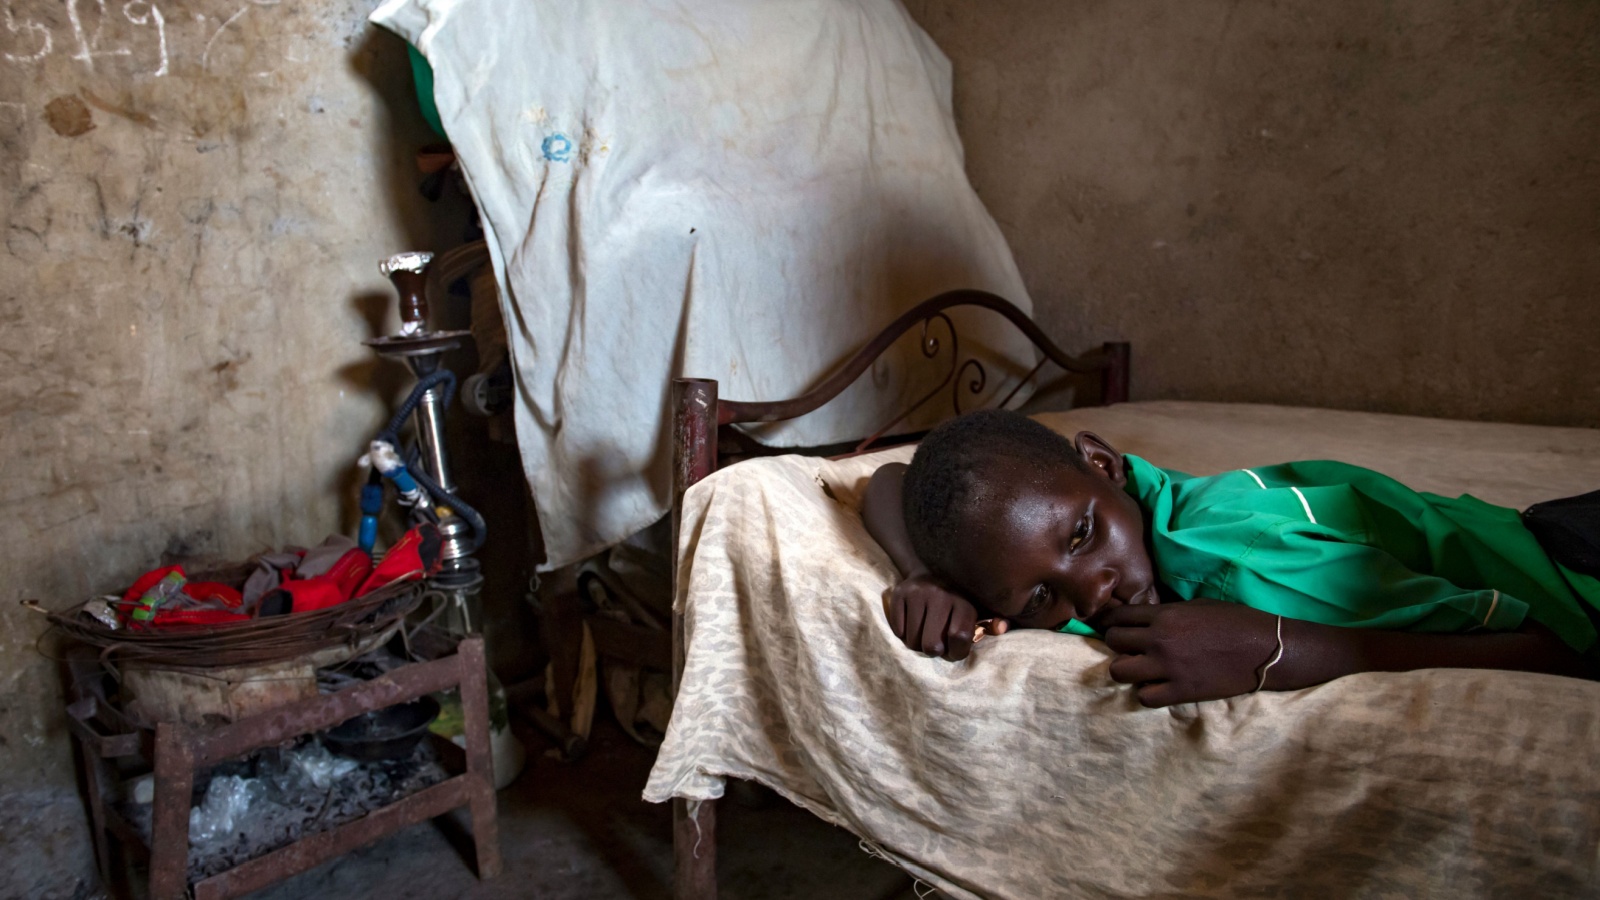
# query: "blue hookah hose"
411, 475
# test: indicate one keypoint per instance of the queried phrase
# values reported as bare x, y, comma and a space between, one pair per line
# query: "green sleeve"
1073, 626
422, 76
1301, 570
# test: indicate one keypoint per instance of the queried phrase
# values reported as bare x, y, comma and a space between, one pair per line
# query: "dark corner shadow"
374, 307
380, 58
607, 815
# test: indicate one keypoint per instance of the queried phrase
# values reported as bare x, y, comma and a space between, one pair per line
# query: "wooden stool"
103, 733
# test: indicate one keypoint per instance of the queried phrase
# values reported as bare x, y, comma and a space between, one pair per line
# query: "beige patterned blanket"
1024, 772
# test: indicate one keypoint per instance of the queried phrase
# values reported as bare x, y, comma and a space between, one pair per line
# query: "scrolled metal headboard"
1112, 358
698, 413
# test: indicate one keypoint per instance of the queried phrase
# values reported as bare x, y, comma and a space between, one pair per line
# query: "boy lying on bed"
1293, 574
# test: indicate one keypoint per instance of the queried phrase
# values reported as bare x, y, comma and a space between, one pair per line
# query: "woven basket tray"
250, 643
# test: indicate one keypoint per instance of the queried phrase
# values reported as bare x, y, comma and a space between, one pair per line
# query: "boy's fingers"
897, 614
933, 629
1157, 695
1126, 639
1136, 669
912, 636
958, 634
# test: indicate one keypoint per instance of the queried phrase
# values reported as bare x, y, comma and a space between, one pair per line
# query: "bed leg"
694, 850
694, 456
1114, 377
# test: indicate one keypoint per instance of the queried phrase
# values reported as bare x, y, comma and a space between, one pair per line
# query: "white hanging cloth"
744, 190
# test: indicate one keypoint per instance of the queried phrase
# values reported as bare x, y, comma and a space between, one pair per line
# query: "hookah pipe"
422, 476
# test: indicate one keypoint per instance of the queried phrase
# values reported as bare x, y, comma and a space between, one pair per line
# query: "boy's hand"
1185, 652
931, 618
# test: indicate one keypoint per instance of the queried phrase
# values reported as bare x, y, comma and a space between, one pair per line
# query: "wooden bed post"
1114, 377
694, 456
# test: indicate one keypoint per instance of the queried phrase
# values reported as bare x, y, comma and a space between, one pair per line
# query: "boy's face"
1066, 544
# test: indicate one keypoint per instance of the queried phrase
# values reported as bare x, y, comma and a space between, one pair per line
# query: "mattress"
1025, 772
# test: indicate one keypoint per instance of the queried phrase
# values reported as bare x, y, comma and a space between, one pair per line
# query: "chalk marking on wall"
88, 48
153, 12
77, 29
143, 13
205, 56
47, 42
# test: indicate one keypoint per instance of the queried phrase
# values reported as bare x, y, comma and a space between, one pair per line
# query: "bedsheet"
1024, 772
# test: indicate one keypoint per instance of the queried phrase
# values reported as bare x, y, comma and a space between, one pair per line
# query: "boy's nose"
1101, 591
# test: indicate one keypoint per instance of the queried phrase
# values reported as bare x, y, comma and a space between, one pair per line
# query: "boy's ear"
1101, 457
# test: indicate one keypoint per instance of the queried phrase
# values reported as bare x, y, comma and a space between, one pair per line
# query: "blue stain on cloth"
557, 148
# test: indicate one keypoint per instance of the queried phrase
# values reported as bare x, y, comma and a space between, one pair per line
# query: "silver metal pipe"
430, 438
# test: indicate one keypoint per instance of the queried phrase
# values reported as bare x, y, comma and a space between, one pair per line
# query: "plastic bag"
321, 768
221, 814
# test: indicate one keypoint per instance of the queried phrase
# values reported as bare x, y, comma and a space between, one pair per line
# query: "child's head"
1030, 525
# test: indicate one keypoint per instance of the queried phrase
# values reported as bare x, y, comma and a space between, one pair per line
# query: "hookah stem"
391, 433
480, 528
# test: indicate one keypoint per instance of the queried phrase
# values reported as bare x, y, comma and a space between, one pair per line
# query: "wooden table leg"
480, 756
94, 785
169, 830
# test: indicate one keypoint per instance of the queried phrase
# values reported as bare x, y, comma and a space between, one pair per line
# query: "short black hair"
943, 487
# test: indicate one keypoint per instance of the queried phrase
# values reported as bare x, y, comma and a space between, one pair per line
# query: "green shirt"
1341, 545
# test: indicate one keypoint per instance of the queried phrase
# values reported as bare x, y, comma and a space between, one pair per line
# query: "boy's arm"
881, 513
1209, 650
924, 613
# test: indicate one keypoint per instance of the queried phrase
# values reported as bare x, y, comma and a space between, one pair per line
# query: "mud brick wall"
194, 198
1364, 205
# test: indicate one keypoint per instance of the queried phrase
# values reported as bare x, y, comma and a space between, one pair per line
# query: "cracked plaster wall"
1369, 205
194, 198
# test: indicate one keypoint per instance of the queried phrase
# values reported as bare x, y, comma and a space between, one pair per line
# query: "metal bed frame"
703, 436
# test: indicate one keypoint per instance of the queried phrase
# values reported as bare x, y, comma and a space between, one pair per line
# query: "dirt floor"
580, 831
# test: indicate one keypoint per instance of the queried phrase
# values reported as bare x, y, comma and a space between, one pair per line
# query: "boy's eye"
1080, 534
1036, 601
